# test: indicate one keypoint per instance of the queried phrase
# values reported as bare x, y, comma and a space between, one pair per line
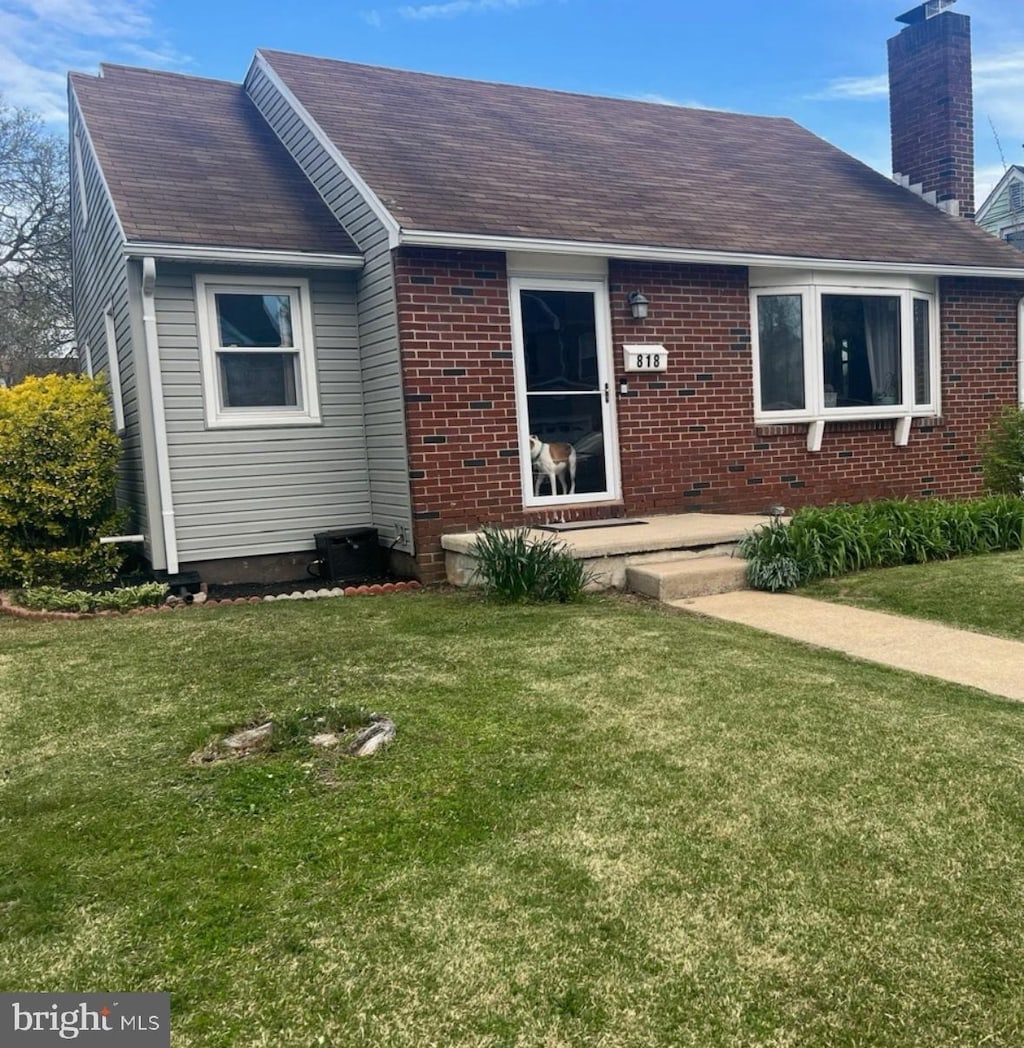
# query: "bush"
512, 567
53, 598
58, 456
842, 539
1002, 453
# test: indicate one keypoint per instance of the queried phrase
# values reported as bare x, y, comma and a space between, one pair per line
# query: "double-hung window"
256, 338
850, 350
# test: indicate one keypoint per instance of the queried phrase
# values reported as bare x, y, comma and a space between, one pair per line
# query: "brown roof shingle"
464, 156
190, 161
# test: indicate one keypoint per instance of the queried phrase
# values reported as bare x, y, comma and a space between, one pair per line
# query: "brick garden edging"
7, 607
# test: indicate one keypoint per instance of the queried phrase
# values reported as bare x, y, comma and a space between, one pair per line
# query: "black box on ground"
350, 554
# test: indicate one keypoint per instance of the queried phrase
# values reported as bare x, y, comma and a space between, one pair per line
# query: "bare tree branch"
36, 330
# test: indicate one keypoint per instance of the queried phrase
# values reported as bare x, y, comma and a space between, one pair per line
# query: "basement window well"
850, 350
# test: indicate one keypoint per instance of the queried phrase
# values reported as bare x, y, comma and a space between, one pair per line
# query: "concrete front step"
608, 552
680, 579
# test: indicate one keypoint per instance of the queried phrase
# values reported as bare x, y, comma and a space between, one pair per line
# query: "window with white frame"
256, 338
844, 350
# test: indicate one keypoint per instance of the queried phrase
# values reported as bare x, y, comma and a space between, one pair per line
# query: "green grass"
984, 594
602, 824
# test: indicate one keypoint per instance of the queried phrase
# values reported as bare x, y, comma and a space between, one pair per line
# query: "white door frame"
605, 382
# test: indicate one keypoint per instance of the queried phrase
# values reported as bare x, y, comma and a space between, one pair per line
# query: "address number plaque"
647, 357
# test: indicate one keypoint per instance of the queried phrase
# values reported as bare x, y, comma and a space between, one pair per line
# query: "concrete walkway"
989, 663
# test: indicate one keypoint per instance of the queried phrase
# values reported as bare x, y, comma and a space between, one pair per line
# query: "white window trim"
114, 368
602, 329
307, 412
83, 198
811, 290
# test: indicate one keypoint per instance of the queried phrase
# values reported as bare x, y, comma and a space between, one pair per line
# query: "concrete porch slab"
609, 551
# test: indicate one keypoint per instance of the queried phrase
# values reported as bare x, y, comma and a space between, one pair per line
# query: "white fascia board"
640, 252
373, 201
80, 123
240, 255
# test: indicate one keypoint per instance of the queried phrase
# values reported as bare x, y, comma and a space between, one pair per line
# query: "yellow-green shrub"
58, 457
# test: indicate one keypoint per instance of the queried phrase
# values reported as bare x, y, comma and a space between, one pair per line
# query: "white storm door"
564, 386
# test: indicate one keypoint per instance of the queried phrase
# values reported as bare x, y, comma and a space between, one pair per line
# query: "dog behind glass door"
553, 461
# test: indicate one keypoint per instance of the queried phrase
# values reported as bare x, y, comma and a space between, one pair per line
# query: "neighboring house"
1003, 210
341, 296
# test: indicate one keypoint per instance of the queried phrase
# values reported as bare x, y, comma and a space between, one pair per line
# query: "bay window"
844, 351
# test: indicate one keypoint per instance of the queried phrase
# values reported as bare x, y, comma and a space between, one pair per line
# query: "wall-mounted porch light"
638, 304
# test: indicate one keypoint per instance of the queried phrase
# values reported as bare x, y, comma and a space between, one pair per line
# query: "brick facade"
687, 439
931, 109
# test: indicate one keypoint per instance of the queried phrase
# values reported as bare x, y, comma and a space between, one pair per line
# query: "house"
1002, 213
339, 296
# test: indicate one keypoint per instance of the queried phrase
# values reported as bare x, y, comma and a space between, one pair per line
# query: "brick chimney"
931, 108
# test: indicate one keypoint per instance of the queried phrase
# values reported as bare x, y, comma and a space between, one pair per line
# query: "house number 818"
641, 357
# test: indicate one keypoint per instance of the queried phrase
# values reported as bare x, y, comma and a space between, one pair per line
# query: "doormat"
585, 525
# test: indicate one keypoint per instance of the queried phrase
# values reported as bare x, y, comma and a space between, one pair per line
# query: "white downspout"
156, 393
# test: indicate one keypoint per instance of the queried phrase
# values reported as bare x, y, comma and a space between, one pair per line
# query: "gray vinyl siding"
381, 371
1000, 216
263, 490
99, 277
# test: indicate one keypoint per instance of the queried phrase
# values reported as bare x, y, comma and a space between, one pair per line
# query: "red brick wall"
456, 336
687, 438
931, 109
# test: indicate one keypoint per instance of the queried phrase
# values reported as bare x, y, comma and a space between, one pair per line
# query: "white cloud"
853, 88
454, 8
985, 180
42, 39
112, 18
372, 18
998, 90
664, 100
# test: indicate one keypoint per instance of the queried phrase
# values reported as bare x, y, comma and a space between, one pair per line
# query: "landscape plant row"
54, 598
836, 540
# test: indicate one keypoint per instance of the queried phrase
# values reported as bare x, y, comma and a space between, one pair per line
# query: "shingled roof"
191, 161
462, 156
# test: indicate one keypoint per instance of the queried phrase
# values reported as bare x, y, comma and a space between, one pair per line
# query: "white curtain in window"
882, 339
284, 320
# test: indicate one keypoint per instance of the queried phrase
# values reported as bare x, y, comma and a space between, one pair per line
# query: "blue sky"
821, 62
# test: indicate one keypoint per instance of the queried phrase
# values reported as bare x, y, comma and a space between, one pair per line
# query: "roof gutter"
156, 394
648, 253
238, 255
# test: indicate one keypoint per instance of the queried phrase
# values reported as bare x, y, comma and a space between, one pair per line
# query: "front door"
564, 394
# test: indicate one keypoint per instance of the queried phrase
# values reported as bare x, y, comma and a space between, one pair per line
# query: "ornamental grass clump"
58, 457
514, 567
837, 540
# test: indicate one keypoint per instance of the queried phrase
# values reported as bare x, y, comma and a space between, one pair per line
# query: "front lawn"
984, 593
604, 824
